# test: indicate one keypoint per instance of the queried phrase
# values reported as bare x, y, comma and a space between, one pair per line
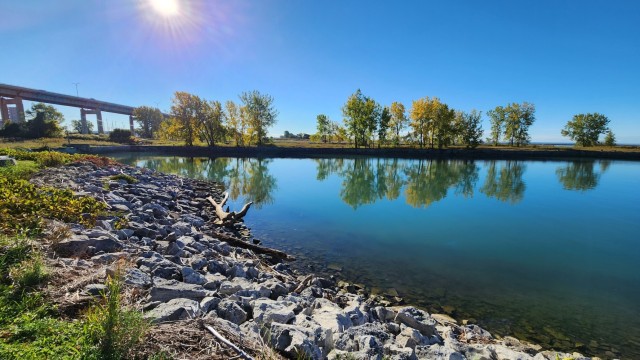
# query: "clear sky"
566, 57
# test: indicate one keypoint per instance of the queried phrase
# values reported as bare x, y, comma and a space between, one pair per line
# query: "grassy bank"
32, 326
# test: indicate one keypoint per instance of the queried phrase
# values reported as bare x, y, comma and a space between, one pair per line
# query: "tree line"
193, 117
432, 123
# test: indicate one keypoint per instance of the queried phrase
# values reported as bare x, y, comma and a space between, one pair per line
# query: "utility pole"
76, 83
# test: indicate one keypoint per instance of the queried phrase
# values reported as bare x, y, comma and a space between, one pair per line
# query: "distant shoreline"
410, 153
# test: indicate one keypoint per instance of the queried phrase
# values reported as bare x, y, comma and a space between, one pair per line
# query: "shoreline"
184, 270
300, 152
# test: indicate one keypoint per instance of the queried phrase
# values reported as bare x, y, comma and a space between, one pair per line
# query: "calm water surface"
545, 251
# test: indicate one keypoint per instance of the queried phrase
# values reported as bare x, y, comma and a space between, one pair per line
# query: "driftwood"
225, 217
240, 352
255, 248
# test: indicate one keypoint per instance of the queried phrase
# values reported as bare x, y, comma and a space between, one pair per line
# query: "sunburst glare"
165, 7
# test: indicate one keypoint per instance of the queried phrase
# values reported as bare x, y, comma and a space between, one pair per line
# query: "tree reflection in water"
581, 175
366, 180
248, 178
504, 181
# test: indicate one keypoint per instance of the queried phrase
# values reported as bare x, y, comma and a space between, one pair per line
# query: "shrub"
121, 136
24, 206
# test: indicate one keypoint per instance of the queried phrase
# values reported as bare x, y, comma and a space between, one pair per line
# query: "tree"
323, 126
518, 119
443, 130
361, 113
41, 126
398, 120
260, 114
236, 122
422, 116
183, 112
76, 126
585, 129
432, 121
610, 139
50, 113
512, 123
498, 118
210, 118
383, 125
149, 120
471, 128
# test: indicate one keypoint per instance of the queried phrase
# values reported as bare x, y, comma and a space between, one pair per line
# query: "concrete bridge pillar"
4, 109
99, 118
83, 119
131, 124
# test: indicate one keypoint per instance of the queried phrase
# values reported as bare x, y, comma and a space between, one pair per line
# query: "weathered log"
255, 248
226, 217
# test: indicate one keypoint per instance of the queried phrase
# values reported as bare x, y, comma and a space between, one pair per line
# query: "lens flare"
165, 8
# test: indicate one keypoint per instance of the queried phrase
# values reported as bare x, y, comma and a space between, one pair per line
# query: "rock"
294, 341
124, 234
78, 245
348, 340
213, 281
394, 352
95, 289
157, 210
175, 309
410, 337
443, 319
236, 271
6, 161
266, 311
191, 276
417, 319
165, 290
330, 316
230, 287
192, 220
198, 262
440, 352
475, 333
209, 303
108, 258
504, 353
276, 287
231, 311
137, 278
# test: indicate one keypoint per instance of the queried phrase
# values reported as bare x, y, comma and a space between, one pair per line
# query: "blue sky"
566, 57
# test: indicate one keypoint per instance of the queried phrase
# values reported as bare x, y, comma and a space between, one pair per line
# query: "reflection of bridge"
14, 95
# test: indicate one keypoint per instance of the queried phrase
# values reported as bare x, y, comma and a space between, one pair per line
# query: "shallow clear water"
545, 251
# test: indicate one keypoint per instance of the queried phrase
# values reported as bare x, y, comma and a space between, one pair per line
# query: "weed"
129, 179
114, 329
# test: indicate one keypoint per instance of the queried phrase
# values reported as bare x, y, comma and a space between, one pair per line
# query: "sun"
166, 8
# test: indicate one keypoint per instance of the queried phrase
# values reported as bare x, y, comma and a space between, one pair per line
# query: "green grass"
30, 328
23, 170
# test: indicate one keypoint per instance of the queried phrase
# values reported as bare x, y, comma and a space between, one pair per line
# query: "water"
545, 251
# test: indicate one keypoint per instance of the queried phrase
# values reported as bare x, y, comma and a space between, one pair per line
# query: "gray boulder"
175, 309
294, 341
165, 290
231, 311
191, 276
78, 245
417, 319
266, 311
137, 278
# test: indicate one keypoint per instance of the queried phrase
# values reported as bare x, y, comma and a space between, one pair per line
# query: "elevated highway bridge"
14, 95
